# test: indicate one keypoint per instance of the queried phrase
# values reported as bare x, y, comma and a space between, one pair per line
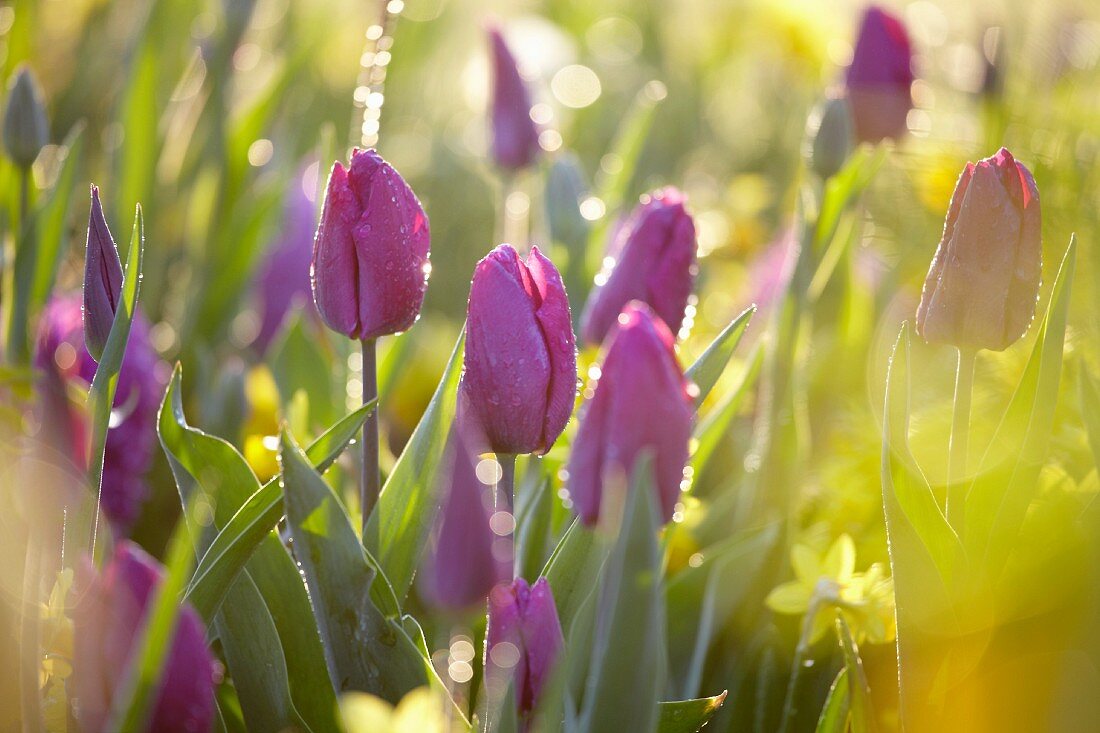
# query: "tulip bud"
108, 620
283, 277
132, 441
830, 130
640, 401
880, 77
982, 286
26, 129
102, 280
565, 187
652, 260
467, 558
370, 255
515, 140
520, 375
524, 634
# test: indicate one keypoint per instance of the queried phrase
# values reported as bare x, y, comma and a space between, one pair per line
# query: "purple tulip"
283, 277
641, 401
880, 76
653, 260
524, 634
520, 376
131, 443
102, 280
370, 256
982, 286
467, 558
107, 621
515, 141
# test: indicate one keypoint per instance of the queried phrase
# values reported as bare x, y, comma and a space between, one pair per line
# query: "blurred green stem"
799, 662
960, 429
29, 649
369, 486
505, 493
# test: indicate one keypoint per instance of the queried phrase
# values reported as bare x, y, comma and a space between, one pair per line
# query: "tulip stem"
506, 487
369, 486
29, 648
960, 429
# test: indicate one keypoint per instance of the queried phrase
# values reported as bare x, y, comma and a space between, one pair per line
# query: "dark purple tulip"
370, 256
132, 442
520, 375
102, 280
283, 277
641, 401
982, 286
467, 558
107, 621
525, 618
515, 140
880, 77
653, 261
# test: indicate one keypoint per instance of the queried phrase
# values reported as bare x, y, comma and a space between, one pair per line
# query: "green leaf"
688, 716
133, 702
138, 114
707, 369
834, 714
294, 363
628, 647
573, 570
534, 509
862, 712
925, 554
101, 396
711, 430
238, 539
1002, 492
700, 600
276, 660
398, 528
366, 651
40, 253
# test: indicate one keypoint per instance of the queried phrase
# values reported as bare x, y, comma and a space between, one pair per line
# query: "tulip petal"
555, 322
335, 269
102, 280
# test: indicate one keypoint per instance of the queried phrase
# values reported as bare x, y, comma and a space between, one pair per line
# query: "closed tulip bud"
830, 131
880, 77
109, 616
467, 558
523, 634
641, 402
26, 128
565, 187
520, 375
982, 286
102, 280
652, 260
370, 255
515, 138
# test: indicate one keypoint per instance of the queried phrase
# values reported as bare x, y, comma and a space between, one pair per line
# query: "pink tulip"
880, 76
982, 286
108, 619
654, 262
370, 254
102, 280
515, 139
524, 634
641, 402
521, 363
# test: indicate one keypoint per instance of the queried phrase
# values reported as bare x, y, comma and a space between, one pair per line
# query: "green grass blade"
708, 368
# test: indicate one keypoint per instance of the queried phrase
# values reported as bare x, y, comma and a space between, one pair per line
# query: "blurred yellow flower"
56, 632
262, 425
826, 584
420, 711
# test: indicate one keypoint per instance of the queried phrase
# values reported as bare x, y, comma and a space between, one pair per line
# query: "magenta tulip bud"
107, 622
370, 255
467, 558
515, 140
102, 280
652, 260
982, 286
641, 401
520, 375
524, 634
880, 77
